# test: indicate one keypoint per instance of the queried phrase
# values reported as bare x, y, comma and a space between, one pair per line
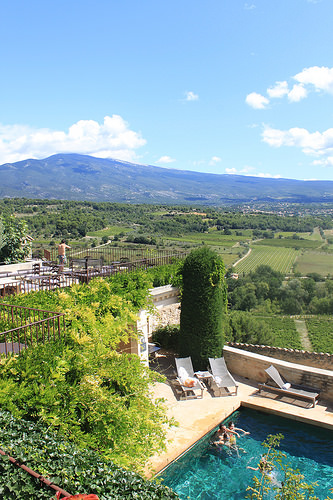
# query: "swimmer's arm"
241, 430
233, 432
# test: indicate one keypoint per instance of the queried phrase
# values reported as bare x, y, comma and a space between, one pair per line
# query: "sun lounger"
221, 376
284, 388
190, 385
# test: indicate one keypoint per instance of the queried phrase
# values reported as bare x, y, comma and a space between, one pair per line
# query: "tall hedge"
203, 305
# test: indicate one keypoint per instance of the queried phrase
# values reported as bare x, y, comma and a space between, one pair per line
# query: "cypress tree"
203, 305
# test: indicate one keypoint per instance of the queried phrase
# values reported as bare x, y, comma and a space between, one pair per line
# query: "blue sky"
222, 86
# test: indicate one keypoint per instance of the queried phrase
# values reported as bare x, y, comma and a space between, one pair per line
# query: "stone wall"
314, 359
167, 315
251, 365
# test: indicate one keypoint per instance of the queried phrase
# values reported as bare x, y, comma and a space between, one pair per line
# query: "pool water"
207, 473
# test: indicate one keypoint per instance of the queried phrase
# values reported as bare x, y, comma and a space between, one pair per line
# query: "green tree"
203, 305
14, 246
293, 486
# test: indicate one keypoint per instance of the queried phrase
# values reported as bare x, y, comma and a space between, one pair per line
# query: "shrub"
167, 337
203, 305
74, 470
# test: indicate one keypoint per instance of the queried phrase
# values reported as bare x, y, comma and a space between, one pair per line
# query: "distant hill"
79, 177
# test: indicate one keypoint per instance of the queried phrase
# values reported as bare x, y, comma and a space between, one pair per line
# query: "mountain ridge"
80, 177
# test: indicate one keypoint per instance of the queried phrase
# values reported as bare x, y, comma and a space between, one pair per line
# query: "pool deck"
197, 417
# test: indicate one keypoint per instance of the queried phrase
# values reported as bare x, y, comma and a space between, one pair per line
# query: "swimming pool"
205, 473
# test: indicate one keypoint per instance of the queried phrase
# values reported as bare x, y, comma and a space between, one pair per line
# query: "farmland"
315, 262
320, 330
284, 332
280, 259
290, 239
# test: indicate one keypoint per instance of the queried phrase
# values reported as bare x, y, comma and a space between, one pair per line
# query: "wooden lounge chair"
284, 388
221, 376
185, 373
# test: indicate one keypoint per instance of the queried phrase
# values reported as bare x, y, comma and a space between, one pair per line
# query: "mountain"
79, 177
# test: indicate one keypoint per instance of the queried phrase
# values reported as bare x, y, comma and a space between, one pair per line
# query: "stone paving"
196, 417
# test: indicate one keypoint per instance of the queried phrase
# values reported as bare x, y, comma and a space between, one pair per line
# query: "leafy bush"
65, 465
14, 247
92, 396
82, 387
167, 337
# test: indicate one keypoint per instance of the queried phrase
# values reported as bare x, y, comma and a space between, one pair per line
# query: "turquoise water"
205, 473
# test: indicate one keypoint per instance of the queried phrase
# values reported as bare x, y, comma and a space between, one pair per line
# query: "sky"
219, 86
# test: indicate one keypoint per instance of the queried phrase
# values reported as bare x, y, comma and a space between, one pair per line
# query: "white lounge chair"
221, 376
186, 378
284, 388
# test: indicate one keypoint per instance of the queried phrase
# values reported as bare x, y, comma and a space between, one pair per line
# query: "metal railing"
42, 479
108, 254
29, 326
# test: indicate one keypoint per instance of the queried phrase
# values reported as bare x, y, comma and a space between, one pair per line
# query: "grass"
314, 262
110, 231
290, 243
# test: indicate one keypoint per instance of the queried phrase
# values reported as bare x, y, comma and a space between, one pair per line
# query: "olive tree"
203, 305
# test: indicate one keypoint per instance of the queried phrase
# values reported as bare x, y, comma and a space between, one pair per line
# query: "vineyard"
278, 258
320, 331
283, 332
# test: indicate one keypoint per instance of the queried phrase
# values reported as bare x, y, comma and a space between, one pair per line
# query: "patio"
196, 417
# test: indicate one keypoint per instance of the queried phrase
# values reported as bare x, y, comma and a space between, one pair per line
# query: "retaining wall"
251, 365
314, 359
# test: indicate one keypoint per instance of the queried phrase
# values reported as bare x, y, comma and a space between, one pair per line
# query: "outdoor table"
152, 349
204, 376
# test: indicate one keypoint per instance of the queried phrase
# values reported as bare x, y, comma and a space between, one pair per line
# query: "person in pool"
222, 436
233, 429
266, 467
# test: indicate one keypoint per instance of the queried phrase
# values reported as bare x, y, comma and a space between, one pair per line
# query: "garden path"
303, 333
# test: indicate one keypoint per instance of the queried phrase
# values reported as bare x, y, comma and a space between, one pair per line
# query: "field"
314, 262
110, 231
320, 330
284, 332
278, 258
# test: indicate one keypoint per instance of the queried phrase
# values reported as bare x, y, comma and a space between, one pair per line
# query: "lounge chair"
284, 388
221, 376
189, 384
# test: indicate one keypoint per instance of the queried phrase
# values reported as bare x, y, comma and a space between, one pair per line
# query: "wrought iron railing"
21, 327
107, 254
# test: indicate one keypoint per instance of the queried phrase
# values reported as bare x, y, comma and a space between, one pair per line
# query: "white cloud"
256, 101
320, 77
249, 172
165, 159
191, 96
249, 6
318, 144
297, 93
313, 78
214, 160
110, 139
232, 171
268, 176
280, 89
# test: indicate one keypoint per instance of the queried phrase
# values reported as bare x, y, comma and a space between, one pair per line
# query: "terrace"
83, 265
197, 417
